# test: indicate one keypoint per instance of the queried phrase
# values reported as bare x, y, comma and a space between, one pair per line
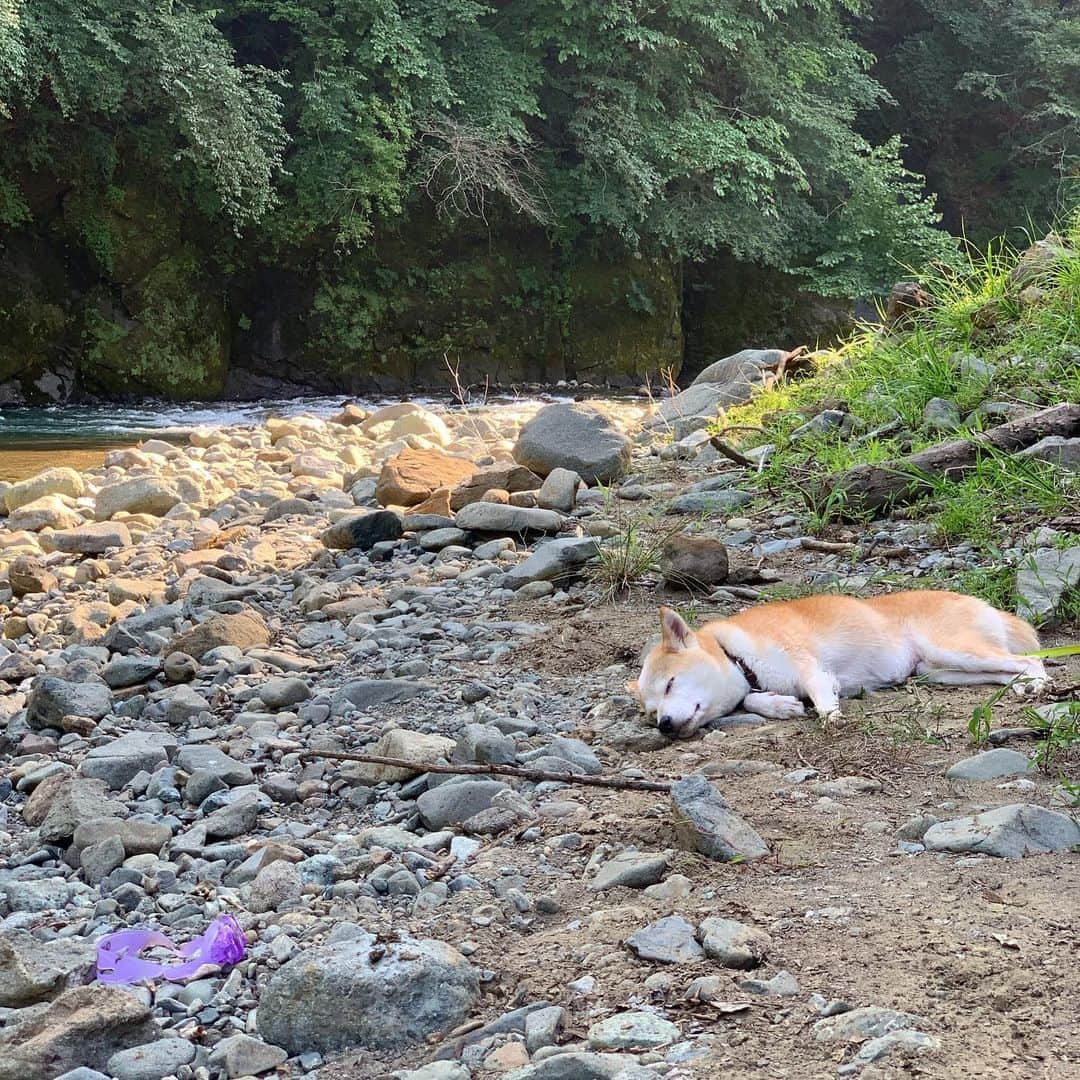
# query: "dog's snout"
666, 725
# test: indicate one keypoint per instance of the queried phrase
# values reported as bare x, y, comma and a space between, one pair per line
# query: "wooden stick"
731, 453
617, 782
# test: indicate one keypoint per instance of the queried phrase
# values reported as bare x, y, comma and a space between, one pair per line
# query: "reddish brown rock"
412, 476
508, 478
438, 502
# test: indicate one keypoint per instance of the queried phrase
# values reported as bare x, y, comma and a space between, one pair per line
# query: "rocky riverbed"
191, 632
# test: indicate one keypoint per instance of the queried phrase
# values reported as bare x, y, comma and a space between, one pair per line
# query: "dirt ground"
986, 950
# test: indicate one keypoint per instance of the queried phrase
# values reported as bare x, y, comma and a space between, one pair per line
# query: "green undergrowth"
992, 337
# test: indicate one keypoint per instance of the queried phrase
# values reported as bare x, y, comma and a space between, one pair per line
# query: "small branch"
808, 543
731, 453
619, 783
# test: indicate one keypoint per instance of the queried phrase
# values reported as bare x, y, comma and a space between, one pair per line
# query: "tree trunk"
874, 489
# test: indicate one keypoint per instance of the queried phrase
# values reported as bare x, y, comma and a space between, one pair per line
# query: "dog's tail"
1021, 635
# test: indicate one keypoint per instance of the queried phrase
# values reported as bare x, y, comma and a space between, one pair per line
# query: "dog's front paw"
789, 709
831, 718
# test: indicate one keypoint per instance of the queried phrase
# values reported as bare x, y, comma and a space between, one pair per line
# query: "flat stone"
506, 520
241, 1055
991, 764
632, 1031
556, 560
1043, 579
283, 693
868, 1022
243, 630
1009, 832
400, 743
583, 1066
93, 539
363, 531
59, 805
876, 1049
1056, 449
706, 824
709, 502
669, 940
140, 495
155, 1060
367, 693
118, 760
631, 870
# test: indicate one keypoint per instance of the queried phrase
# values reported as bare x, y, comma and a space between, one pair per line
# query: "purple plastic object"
119, 961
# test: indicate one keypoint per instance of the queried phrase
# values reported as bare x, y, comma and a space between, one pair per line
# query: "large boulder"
59, 481
244, 630
84, 1026
48, 512
348, 994
412, 476
142, 495
577, 437
743, 367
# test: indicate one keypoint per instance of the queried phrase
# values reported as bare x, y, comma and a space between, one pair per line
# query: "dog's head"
682, 684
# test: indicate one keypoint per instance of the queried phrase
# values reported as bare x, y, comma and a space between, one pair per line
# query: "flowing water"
32, 439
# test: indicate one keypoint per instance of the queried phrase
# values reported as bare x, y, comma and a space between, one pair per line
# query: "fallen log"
621, 783
874, 489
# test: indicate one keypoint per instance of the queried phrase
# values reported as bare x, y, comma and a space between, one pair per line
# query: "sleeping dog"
769, 659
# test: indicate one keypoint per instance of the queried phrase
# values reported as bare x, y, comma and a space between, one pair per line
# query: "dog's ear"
676, 633
632, 686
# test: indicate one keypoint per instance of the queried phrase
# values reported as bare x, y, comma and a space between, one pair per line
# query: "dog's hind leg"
969, 655
948, 677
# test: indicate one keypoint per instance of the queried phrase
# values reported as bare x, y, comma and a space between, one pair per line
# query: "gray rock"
101, 859
669, 940
118, 760
706, 824
233, 773
559, 490
486, 744
32, 970
52, 698
179, 705
84, 1026
876, 1049
630, 870
782, 984
941, 416
274, 885
709, 502
575, 437
457, 801
179, 667
991, 764
694, 562
367, 693
234, 819
506, 520
241, 1055
73, 801
437, 1070
363, 531
242, 630
1009, 832
153, 1061
557, 560
869, 1022
28, 575
93, 539
542, 1027
1043, 579
700, 399
140, 836
632, 1031
140, 631
1056, 449
582, 1066
828, 421
130, 671
734, 944
348, 994
437, 539
283, 693
743, 366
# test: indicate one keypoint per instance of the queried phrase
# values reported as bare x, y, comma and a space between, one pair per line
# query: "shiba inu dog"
771, 658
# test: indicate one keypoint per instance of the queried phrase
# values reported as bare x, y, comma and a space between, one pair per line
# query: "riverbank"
193, 631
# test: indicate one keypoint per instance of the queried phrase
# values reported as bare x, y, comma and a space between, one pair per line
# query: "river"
32, 439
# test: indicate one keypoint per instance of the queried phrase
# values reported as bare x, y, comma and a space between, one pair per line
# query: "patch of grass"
1059, 732
985, 337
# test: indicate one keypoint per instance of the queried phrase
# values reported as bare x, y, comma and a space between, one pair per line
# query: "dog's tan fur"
823, 648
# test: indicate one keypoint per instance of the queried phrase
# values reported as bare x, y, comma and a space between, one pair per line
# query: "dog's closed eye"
670, 686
